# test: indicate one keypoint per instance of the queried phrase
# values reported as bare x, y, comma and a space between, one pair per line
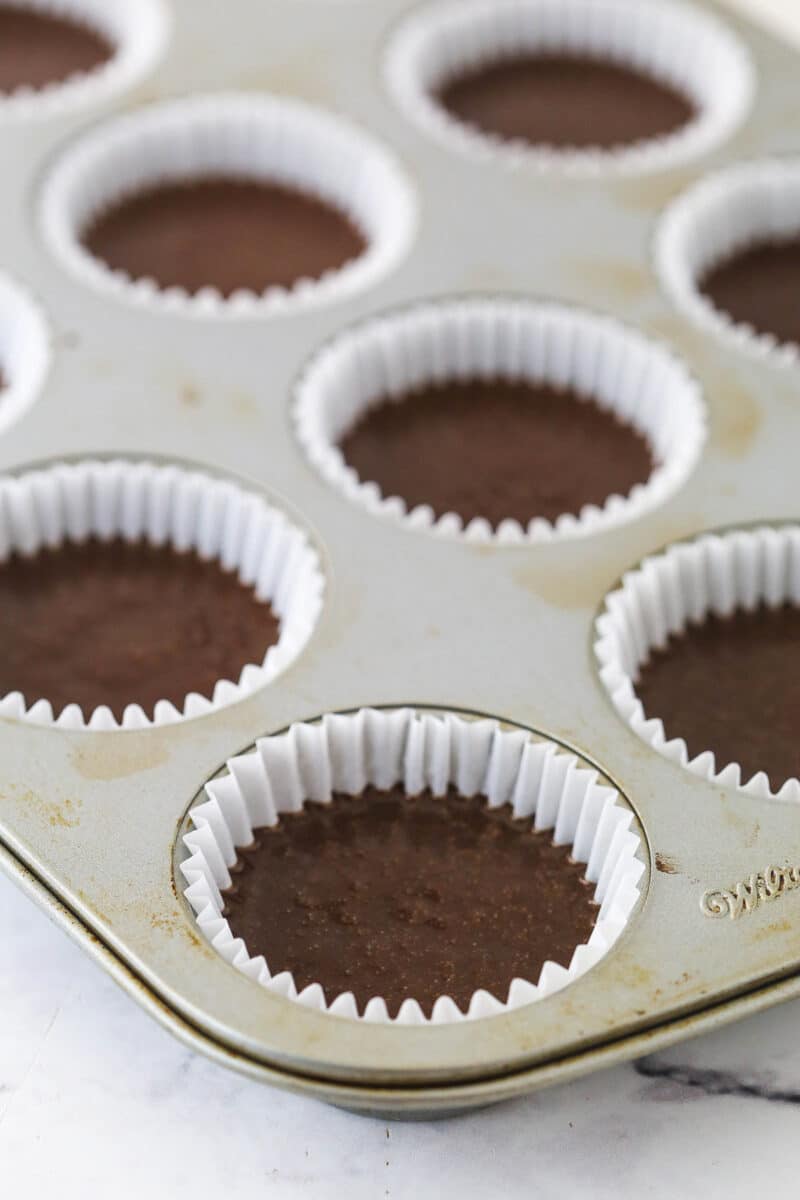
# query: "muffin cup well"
240, 136
166, 505
24, 351
722, 215
639, 381
137, 33
673, 43
715, 574
345, 753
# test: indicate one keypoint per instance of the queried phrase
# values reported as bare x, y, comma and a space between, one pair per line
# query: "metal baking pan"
89, 821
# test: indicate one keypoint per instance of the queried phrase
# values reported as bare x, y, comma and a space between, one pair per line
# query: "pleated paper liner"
345, 753
725, 213
137, 33
166, 505
242, 137
24, 351
716, 574
637, 380
673, 43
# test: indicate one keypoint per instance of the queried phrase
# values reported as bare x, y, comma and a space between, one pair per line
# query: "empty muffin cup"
698, 650
24, 351
228, 205
728, 254
120, 578
56, 55
497, 419
411, 851
581, 85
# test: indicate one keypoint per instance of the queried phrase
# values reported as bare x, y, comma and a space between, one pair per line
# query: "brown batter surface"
565, 101
496, 450
732, 685
118, 623
386, 895
224, 233
761, 287
37, 48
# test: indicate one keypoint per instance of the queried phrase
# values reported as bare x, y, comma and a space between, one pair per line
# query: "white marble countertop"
97, 1100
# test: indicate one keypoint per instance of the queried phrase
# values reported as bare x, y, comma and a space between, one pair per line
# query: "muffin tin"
91, 819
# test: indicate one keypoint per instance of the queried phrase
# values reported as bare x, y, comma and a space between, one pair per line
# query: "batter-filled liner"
449, 761
38, 48
103, 511
728, 254
700, 77
280, 156
687, 625
561, 360
64, 54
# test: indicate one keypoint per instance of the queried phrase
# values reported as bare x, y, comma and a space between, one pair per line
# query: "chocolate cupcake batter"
225, 233
565, 101
497, 450
38, 48
118, 623
732, 685
395, 896
760, 287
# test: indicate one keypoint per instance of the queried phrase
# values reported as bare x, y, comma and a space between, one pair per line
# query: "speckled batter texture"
388, 895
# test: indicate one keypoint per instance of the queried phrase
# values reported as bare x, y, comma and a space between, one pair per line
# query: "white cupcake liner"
243, 136
674, 43
345, 753
24, 351
718, 217
640, 381
715, 574
166, 505
137, 29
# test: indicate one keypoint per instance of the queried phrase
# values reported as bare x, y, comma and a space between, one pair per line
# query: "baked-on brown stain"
737, 419
117, 758
732, 685
388, 895
497, 449
759, 287
225, 233
118, 623
564, 101
37, 48
666, 865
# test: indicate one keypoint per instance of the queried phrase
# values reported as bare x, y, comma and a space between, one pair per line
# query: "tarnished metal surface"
88, 821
